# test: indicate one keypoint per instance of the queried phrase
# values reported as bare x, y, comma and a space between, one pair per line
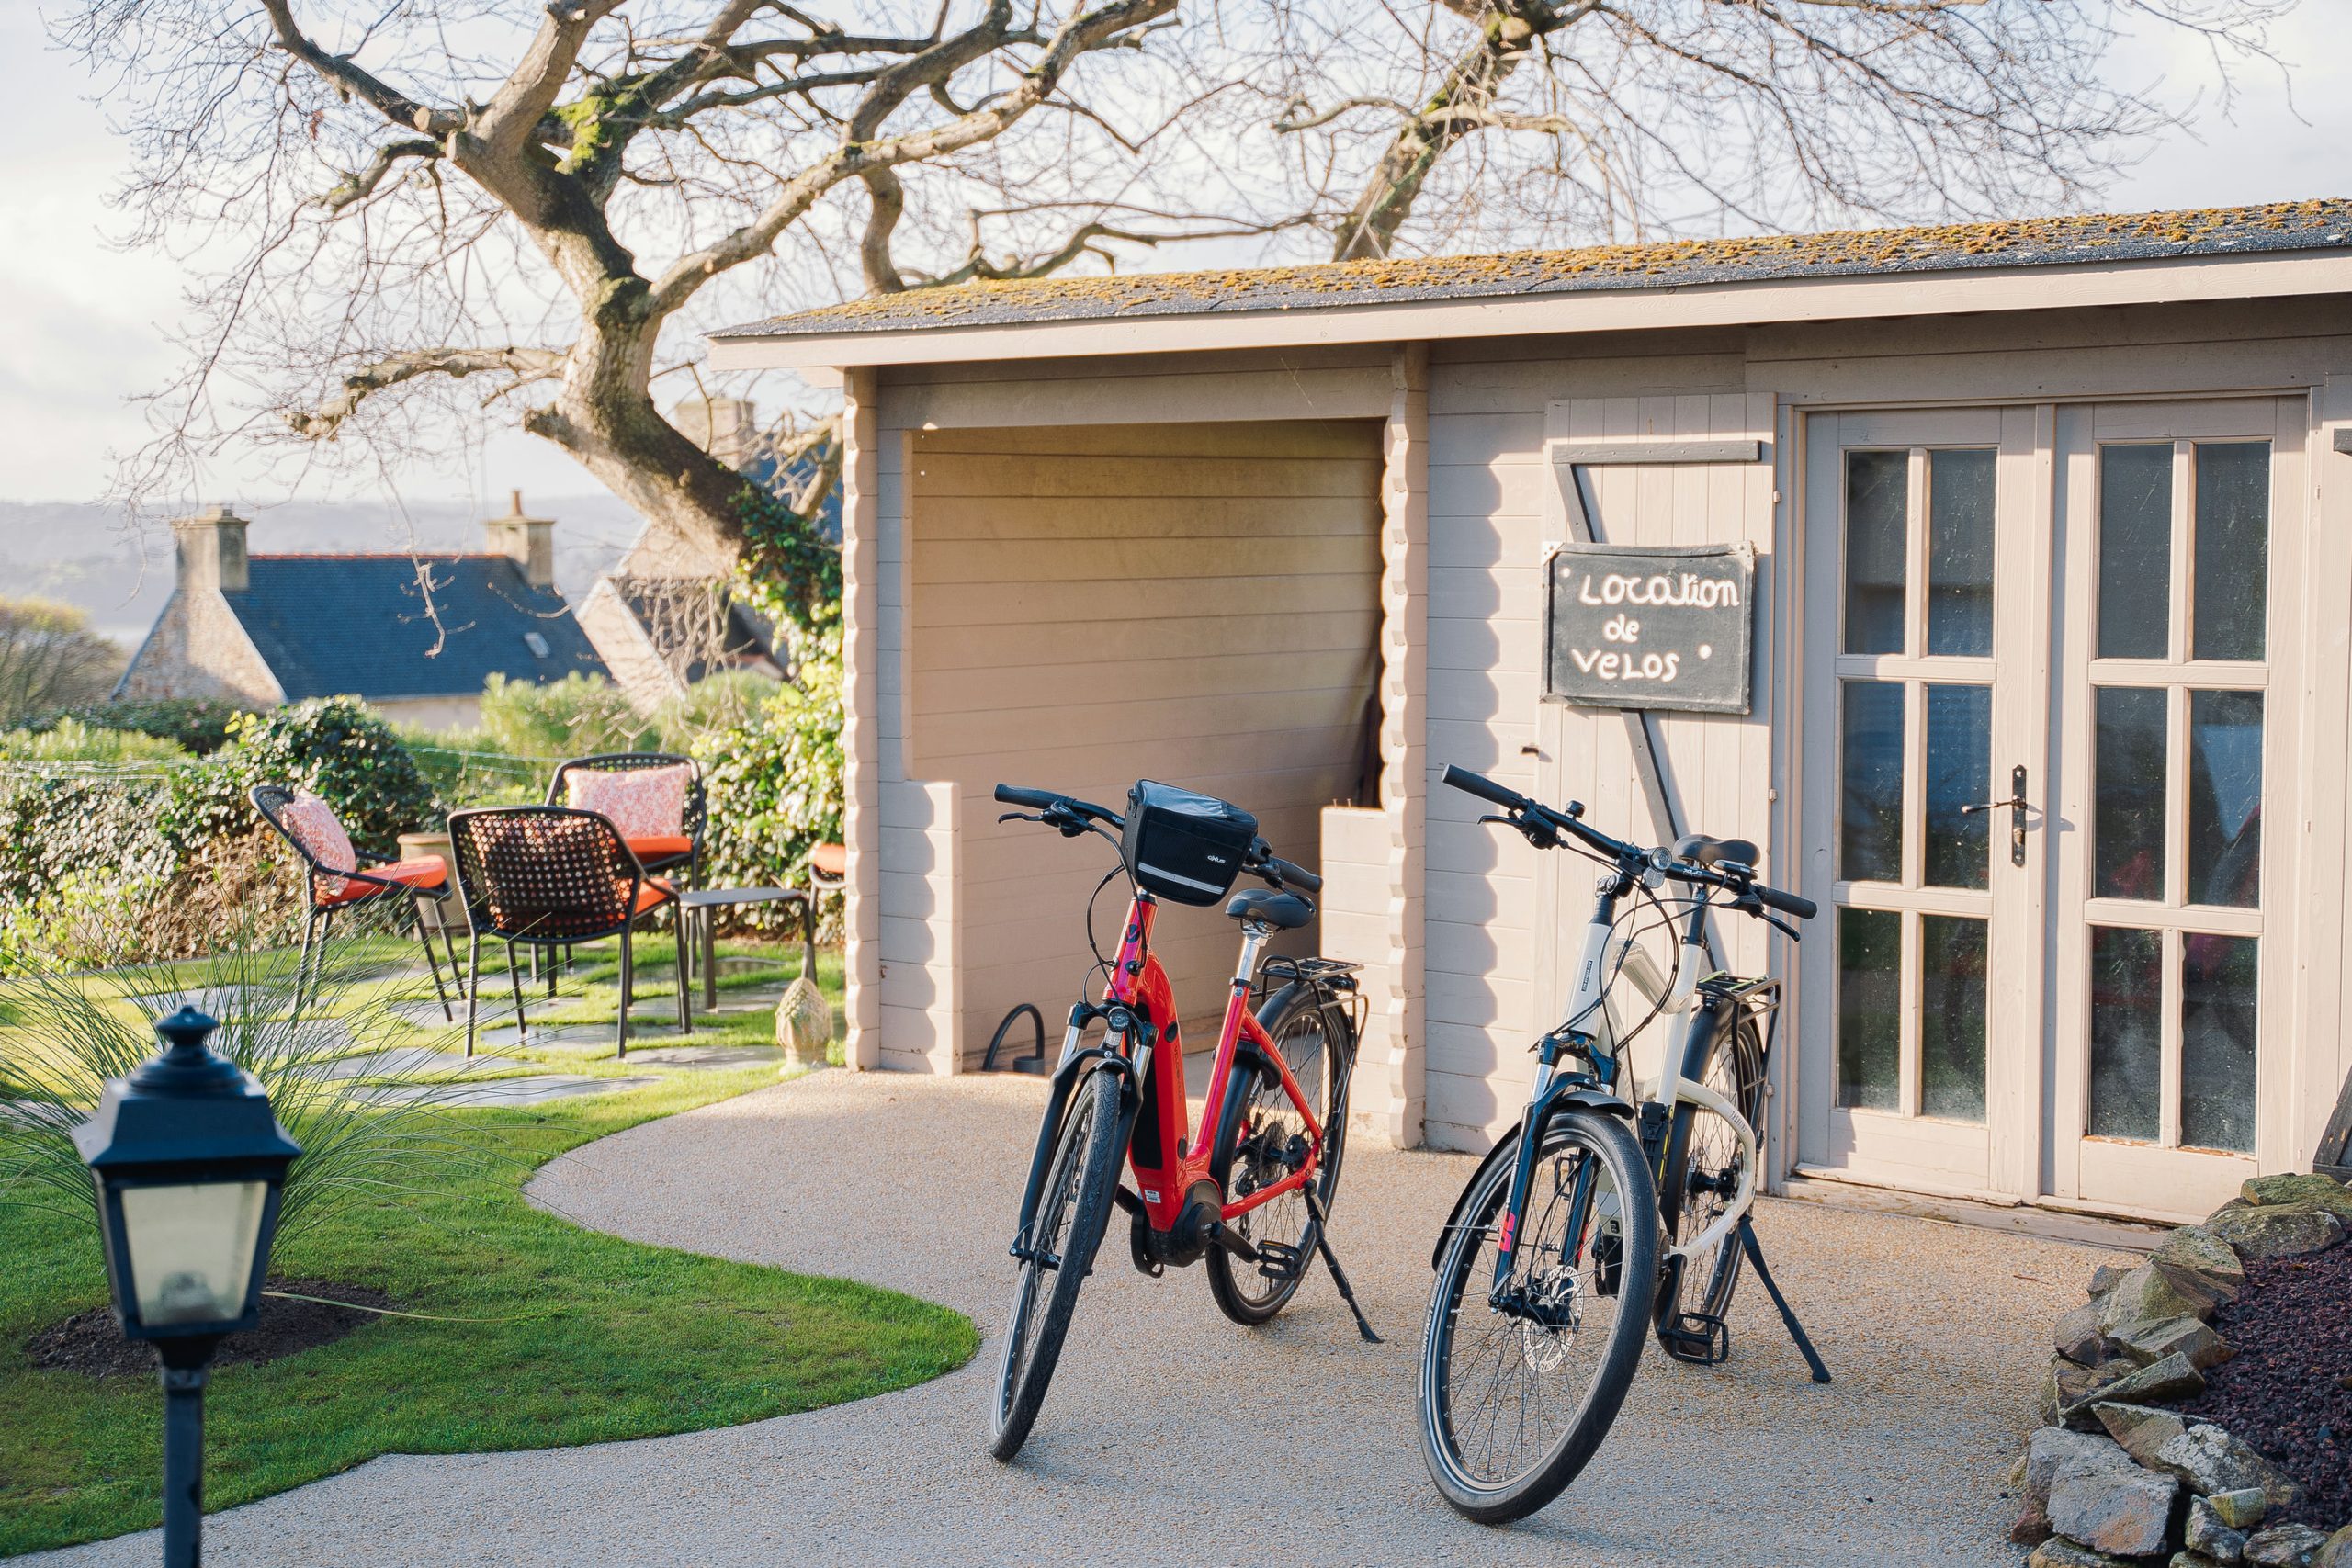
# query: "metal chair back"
544, 873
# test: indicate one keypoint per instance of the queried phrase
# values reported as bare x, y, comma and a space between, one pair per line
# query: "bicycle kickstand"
1338, 1275
1754, 1251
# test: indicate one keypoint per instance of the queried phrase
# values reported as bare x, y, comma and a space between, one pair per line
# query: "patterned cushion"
312, 824
643, 804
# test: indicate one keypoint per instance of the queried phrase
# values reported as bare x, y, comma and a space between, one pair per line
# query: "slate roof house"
2053, 511
415, 635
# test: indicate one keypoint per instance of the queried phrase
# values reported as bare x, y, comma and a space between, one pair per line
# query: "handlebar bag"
1182, 845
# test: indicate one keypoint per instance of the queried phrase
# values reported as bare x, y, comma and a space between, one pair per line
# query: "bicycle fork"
1120, 1024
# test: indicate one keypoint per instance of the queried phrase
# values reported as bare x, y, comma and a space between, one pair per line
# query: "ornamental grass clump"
362, 1091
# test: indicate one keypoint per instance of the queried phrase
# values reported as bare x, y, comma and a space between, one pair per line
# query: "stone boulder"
2207, 1534
2052, 1446
2197, 1250
2080, 1337
2212, 1460
2104, 1277
2159, 1383
2125, 1513
2140, 1429
2190, 1337
2276, 1232
2307, 1190
2241, 1509
2156, 1292
2337, 1553
2286, 1546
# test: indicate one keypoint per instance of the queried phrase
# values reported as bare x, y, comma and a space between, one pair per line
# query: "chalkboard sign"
1632, 626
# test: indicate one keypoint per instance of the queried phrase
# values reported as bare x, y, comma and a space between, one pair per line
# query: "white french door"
1923, 616
2176, 678
2045, 654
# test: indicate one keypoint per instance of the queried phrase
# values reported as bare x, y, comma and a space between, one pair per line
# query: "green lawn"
600, 1338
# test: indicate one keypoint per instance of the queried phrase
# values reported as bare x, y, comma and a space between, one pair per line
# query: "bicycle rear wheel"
1261, 1140
1514, 1403
1072, 1212
1700, 1176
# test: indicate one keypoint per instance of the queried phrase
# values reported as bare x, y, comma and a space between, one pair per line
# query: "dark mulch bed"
2289, 1390
92, 1343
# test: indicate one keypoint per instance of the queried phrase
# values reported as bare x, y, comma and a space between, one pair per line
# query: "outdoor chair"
550, 877
334, 880
656, 799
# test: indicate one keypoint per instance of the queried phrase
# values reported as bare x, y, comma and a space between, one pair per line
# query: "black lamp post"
189, 1163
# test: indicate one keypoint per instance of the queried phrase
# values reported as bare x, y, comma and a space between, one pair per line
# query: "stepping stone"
534, 1091
395, 1063
543, 1036
220, 1001
704, 1056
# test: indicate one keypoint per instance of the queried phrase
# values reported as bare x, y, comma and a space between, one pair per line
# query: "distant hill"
88, 555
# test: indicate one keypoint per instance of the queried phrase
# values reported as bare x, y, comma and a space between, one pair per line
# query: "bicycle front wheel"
1519, 1386
1072, 1212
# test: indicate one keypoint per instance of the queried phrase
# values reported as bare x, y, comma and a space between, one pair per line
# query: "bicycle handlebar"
1048, 800
1262, 862
1567, 822
1282, 874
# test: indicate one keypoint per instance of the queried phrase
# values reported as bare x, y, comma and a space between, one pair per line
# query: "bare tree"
1480, 121
51, 659
394, 207
389, 198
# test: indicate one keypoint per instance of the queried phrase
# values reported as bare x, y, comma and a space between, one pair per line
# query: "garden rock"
2306, 1191
2079, 1336
2053, 1447
2124, 1512
2286, 1546
2192, 1559
2140, 1428
2212, 1460
2241, 1509
2172, 1378
2337, 1553
2152, 1293
2032, 1527
2190, 1337
2105, 1277
2198, 1250
2060, 1552
2276, 1232
2209, 1535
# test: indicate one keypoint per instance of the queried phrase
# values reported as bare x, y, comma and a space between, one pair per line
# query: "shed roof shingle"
360, 623
2035, 241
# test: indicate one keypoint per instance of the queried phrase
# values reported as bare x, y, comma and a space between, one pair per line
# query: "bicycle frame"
1138, 1010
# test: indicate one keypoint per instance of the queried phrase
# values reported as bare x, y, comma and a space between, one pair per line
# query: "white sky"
82, 334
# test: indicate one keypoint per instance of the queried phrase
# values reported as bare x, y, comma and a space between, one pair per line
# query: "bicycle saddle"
1700, 848
1284, 911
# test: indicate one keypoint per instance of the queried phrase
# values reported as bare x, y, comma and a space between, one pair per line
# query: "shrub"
575, 716
50, 657
338, 749
71, 740
774, 783
199, 723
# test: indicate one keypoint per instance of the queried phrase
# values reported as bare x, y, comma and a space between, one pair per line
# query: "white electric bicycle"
1618, 1207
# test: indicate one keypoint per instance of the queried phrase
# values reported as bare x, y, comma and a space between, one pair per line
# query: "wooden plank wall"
1086, 605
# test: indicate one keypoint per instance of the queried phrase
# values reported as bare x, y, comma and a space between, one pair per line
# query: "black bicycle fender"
1507, 1148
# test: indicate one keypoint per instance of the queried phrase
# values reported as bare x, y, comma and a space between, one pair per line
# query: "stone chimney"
724, 427
528, 542
212, 550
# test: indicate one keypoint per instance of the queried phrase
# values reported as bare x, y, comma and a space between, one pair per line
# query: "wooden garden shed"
2057, 511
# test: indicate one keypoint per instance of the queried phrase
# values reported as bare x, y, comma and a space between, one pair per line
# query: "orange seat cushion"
833, 860
659, 846
424, 876
653, 894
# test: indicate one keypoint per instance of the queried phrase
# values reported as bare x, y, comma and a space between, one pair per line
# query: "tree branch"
386, 99
360, 186
322, 423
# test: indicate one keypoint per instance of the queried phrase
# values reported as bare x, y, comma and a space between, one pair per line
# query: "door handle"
2018, 806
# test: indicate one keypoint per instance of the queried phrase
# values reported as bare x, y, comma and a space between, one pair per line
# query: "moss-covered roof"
1959, 247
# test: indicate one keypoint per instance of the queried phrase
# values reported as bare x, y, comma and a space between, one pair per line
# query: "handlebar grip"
1484, 788
1787, 903
1036, 799
1296, 877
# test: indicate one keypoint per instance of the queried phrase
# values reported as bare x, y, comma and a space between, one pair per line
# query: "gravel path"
1162, 1441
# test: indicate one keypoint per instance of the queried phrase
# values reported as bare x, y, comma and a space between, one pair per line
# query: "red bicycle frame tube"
1138, 981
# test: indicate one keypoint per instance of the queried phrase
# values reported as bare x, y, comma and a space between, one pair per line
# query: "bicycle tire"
1465, 1263
1074, 1209
1700, 1158
1231, 1278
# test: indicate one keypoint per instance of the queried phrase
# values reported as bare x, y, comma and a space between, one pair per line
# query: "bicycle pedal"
1280, 1262
1697, 1338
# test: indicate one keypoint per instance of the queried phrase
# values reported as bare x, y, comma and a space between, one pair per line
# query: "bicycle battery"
1182, 845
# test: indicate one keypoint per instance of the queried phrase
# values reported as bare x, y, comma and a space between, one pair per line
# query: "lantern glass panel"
192, 1249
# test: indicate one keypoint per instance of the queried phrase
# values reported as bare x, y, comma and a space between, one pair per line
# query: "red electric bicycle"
1255, 1202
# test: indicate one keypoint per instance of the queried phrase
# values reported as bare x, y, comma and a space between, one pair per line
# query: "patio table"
701, 905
